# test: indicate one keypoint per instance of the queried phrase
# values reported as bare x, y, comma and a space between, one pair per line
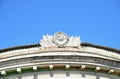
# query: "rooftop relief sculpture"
60, 40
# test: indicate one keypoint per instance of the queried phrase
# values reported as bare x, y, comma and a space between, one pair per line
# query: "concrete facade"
67, 59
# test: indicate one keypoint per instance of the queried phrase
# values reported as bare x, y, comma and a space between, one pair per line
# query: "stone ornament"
60, 40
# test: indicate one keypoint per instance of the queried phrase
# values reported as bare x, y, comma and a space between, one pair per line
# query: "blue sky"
26, 21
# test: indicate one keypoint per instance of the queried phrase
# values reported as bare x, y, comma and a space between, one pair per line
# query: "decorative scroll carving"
60, 39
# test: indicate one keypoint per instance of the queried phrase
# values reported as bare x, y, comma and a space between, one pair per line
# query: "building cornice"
83, 44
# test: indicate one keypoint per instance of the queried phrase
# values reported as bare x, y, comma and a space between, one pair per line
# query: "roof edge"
100, 47
82, 44
20, 47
